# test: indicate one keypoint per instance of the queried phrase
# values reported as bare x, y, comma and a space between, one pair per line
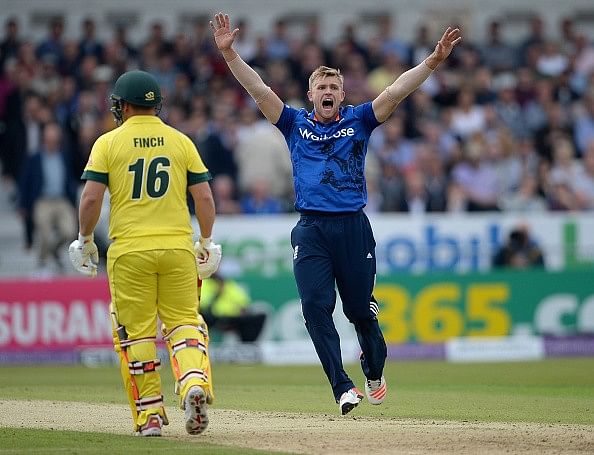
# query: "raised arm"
387, 101
268, 101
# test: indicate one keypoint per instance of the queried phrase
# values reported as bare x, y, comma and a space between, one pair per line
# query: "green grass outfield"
549, 391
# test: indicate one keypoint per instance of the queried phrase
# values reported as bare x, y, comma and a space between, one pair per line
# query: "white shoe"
195, 408
349, 400
376, 390
152, 427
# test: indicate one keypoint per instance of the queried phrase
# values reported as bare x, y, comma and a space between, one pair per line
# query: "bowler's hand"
208, 257
84, 255
222, 33
444, 47
450, 38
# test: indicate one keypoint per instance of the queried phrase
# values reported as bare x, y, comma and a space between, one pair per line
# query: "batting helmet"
138, 88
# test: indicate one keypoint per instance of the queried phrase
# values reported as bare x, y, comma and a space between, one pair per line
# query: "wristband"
85, 238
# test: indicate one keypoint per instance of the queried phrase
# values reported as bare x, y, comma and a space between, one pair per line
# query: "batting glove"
84, 255
208, 257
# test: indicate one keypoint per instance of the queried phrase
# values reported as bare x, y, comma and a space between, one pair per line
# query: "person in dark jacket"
47, 192
520, 251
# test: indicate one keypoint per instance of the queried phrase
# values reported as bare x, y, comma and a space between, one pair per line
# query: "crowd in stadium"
500, 126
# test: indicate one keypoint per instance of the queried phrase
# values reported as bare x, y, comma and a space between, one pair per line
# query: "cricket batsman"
153, 265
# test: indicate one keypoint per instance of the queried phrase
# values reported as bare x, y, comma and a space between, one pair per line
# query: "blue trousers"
337, 251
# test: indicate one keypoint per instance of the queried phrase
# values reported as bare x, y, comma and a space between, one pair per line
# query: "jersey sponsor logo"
343, 132
147, 142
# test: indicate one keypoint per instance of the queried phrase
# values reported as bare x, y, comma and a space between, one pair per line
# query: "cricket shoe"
349, 400
152, 427
195, 408
376, 390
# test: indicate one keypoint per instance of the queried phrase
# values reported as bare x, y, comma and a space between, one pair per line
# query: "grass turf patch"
28, 441
548, 391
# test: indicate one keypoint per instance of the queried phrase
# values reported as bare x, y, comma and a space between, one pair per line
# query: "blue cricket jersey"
328, 159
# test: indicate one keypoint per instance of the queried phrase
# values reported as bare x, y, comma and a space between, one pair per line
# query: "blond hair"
324, 71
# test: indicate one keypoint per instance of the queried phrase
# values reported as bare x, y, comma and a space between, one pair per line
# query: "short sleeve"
365, 113
286, 120
97, 167
197, 171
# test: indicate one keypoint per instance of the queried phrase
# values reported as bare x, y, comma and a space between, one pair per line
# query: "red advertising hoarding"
58, 315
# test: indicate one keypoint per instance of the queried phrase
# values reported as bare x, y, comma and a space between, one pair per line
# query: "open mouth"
327, 103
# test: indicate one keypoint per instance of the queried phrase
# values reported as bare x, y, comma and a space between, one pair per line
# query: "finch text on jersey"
306, 134
149, 142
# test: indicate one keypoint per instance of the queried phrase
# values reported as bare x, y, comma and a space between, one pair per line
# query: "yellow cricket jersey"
147, 167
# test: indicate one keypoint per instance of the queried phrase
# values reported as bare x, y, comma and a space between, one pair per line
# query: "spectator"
527, 156
561, 197
583, 184
119, 52
564, 92
157, 40
215, 155
583, 62
536, 109
258, 200
568, 34
584, 125
356, 83
526, 199
387, 72
565, 167
82, 129
245, 43
48, 195
551, 62
262, 154
278, 44
12, 134
46, 83
456, 198
545, 96
392, 44
89, 44
496, 54
53, 45
422, 45
392, 146
483, 86
525, 88
519, 252
9, 47
467, 117
436, 181
421, 110
533, 41
557, 126
477, 177
224, 193
415, 198
225, 306
507, 107
503, 156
